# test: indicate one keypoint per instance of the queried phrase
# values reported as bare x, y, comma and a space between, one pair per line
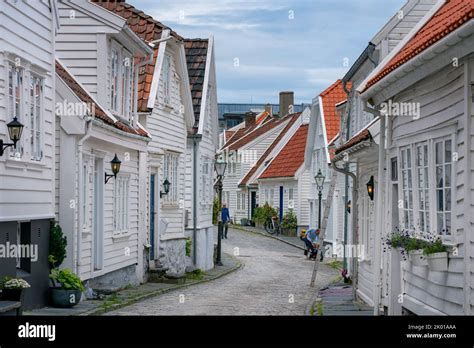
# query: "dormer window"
120, 80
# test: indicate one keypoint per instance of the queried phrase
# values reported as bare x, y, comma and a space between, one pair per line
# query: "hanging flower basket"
438, 261
417, 258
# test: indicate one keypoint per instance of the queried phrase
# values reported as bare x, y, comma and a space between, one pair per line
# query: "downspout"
196, 139
80, 145
354, 239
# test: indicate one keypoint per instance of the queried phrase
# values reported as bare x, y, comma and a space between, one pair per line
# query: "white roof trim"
156, 73
323, 125
205, 86
400, 45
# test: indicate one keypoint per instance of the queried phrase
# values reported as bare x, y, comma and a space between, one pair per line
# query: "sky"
267, 46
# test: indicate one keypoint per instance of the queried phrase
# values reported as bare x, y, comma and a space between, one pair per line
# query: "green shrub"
262, 214
215, 210
434, 247
289, 221
57, 245
189, 243
67, 279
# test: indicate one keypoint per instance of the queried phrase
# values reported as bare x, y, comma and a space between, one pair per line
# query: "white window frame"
121, 80
171, 173
36, 117
433, 204
121, 204
167, 81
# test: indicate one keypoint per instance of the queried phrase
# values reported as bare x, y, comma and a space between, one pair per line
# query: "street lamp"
115, 164
370, 188
15, 129
220, 167
166, 186
319, 178
349, 206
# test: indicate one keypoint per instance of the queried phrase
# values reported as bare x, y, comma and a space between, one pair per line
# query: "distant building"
231, 114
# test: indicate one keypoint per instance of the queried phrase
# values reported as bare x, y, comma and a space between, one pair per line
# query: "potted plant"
289, 223
397, 241
436, 255
263, 214
13, 289
67, 288
414, 248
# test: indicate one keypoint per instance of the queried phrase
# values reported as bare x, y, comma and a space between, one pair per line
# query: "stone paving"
273, 280
337, 300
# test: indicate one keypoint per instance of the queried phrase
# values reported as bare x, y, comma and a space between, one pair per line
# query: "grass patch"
110, 301
316, 309
335, 264
197, 274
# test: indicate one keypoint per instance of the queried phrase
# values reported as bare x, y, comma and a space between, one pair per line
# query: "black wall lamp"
115, 164
349, 206
370, 188
166, 186
15, 129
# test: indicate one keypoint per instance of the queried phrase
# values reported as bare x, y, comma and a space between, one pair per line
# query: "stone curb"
100, 311
237, 227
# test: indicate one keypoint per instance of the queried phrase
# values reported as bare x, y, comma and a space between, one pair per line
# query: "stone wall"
172, 257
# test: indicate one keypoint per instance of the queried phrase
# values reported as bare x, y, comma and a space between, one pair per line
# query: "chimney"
286, 100
268, 108
250, 119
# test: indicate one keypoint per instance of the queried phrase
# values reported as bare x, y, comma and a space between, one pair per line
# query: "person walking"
225, 215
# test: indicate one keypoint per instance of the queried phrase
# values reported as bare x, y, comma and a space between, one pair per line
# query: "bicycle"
272, 225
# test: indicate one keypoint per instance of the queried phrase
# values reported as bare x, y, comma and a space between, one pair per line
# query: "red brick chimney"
250, 119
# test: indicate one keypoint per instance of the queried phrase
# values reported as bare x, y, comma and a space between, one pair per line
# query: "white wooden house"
202, 144
283, 180
358, 142
96, 121
427, 187
323, 132
243, 152
27, 173
178, 106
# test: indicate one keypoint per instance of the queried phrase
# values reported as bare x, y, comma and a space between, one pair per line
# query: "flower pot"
438, 261
65, 298
417, 258
13, 295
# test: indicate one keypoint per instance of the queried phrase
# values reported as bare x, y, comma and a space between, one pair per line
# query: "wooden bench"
7, 306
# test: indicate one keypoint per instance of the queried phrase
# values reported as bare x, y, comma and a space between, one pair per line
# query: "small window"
167, 79
36, 92
121, 204
170, 172
15, 101
443, 162
394, 169
114, 80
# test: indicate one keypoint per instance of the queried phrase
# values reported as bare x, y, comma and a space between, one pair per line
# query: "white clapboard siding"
167, 127
26, 34
441, 97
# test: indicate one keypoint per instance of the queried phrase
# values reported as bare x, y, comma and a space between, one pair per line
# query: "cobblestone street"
273, 280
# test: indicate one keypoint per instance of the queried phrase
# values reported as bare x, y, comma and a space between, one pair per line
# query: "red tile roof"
246, 135
99, 112
262, 117
452, 15
363, 135
196, 56
290, 158
148, 30
331, 97
269, 149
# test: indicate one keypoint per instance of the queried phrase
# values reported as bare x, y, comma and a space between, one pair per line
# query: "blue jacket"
225, 215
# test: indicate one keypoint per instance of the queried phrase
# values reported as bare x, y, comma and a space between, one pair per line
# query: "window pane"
448, 151
440, 223
448, 199
439, 194
439, 176
447, 175
439, 153
448, 224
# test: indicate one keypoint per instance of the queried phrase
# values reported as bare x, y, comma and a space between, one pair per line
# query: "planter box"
65, 298
417, 258
16, 295
287, 232
438, 261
